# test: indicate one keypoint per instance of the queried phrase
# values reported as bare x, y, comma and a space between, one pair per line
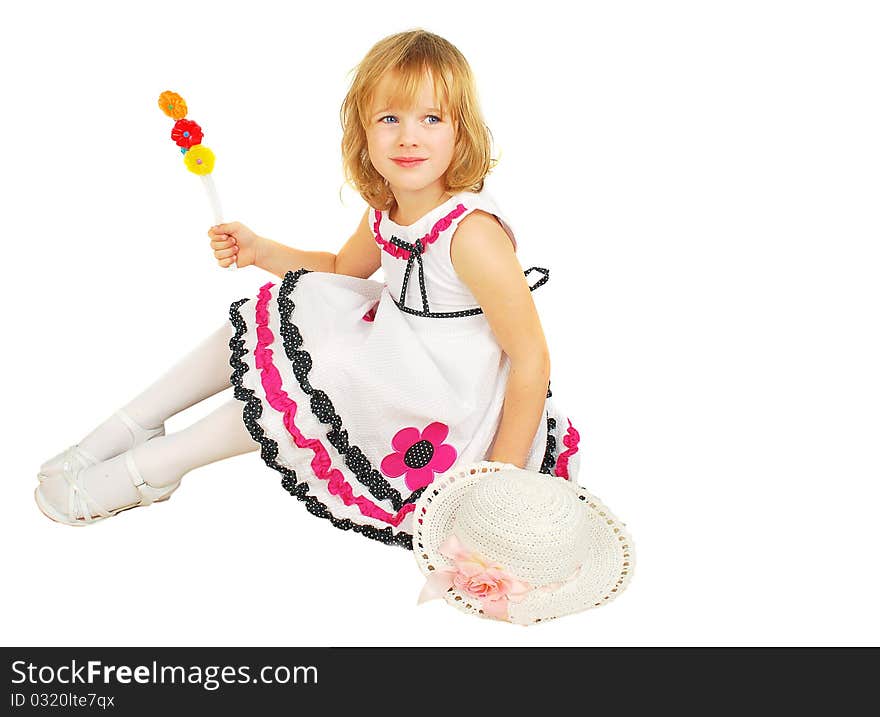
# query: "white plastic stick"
208, 181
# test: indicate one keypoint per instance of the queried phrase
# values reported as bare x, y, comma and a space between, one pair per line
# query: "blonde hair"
411, 54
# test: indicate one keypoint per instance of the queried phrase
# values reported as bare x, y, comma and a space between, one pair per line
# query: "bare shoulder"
480, 222
479, 236
484, 259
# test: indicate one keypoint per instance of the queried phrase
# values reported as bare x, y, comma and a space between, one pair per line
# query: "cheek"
448, 146
449, 141
374, 144
374, 134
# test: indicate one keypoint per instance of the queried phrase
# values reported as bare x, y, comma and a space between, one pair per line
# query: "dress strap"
545, 276
484, 202
433, 244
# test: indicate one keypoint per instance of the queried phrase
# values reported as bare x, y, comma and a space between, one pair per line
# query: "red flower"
419, 455
186, 133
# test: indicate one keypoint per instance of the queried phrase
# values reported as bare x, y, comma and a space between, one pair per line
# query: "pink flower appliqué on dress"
419, 455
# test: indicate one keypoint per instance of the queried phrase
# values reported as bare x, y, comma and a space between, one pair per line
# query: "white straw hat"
498, 541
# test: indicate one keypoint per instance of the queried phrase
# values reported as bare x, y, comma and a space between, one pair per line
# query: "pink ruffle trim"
570, 441
281, 402
429, 238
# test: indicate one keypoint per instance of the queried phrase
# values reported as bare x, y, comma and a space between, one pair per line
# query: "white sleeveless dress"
360, 392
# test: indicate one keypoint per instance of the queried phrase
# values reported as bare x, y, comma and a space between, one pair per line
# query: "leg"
221, 434
200, 374
161, 461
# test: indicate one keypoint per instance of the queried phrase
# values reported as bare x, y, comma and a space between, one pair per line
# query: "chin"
411, 184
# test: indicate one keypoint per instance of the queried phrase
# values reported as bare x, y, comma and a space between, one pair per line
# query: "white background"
700, 178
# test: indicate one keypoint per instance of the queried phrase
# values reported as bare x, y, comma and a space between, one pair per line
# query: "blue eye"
429, 119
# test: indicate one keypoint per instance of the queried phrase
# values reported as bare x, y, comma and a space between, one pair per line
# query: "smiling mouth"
408, 161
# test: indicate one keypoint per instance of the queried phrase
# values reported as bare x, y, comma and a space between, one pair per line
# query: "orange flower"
172, 104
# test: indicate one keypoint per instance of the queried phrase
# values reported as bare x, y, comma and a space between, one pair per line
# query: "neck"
410, 206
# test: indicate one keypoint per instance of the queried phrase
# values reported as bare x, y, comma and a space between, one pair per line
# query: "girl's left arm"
484, 259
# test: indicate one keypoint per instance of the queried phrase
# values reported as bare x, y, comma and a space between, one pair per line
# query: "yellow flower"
199, 159
172, 104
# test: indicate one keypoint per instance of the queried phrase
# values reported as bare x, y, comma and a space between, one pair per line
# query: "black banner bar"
142, 680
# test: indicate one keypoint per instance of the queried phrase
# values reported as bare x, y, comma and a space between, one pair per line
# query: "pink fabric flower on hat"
419, 455
477, 577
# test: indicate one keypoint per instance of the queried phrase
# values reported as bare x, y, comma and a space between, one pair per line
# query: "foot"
114, 436
85, 493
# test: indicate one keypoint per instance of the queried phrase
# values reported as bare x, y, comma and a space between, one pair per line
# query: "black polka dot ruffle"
322, 406
549, 461
269, 448
323, 409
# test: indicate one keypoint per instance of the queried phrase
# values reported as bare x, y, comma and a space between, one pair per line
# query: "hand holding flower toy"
198, 158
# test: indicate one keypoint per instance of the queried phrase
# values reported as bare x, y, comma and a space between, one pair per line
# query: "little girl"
358, 393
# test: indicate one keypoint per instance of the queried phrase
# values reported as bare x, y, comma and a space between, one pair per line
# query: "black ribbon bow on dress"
415, 255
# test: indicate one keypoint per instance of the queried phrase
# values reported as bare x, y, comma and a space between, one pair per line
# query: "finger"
224, 253
221, 243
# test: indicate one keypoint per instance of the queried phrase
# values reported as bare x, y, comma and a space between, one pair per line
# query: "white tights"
221, 434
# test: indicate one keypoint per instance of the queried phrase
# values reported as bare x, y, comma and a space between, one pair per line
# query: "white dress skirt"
361, 392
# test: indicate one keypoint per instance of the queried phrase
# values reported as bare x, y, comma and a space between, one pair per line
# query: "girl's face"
420, 134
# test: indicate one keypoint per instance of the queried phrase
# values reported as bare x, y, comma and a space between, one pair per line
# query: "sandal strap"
79, 502
77, 452
83, 507
136, 430
136, 478
145, 489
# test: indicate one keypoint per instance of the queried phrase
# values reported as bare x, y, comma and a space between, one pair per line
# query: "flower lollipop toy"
198, 158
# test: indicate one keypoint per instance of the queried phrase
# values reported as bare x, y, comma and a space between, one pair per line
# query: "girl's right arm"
360, 256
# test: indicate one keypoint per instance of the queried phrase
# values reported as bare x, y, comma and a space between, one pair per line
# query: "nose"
407, 135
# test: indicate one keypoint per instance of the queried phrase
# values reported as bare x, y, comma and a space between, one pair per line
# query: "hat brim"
605, 574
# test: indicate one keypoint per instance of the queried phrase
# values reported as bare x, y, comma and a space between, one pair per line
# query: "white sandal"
81, 505
76, 455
